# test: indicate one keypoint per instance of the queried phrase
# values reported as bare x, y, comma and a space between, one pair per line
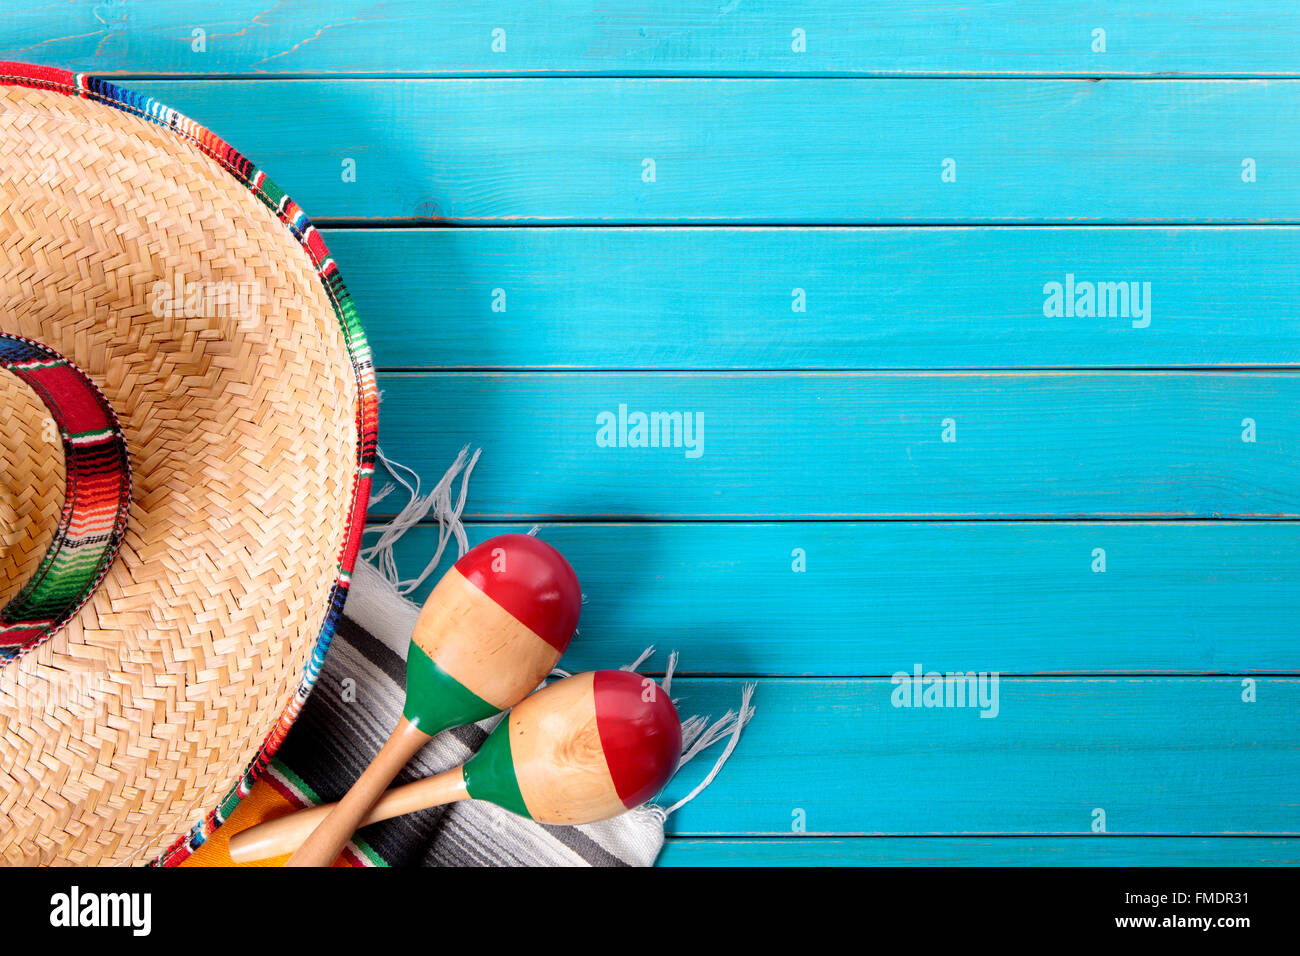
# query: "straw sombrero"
187, 428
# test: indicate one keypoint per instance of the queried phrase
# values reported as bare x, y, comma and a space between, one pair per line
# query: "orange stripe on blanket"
264, 802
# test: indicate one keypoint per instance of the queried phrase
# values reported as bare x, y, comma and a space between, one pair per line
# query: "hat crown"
65, 494
32, 481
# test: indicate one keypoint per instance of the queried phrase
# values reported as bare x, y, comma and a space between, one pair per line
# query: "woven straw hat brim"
131, 732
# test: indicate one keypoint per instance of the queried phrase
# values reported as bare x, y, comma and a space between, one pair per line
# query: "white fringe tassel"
729, 725
438, 501
667, 682
648, 653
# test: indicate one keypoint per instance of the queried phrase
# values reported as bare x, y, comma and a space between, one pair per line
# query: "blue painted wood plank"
875, 597
769, 151
583, 36
825, 297
1181, 756
846, 444
974, 851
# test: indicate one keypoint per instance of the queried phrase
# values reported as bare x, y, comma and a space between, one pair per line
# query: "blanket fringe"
648, 653
730, 725
667, 682
439, 502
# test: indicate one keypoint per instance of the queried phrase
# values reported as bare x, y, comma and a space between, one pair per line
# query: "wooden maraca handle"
328, 839
285, 834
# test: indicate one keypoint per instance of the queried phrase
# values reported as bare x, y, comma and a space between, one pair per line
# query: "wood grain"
1017, 597
846, 445
822, 297
896, 37
1180, 756
559, 761
813, 151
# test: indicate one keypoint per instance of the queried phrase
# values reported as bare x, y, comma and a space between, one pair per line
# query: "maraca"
586, 748
492, 629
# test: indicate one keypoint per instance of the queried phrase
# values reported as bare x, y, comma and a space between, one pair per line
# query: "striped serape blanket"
350, 714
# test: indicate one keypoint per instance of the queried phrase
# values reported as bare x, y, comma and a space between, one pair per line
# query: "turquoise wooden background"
829, 229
